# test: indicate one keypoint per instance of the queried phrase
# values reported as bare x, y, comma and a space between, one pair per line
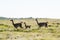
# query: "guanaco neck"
37, 21
25, 24
12, 22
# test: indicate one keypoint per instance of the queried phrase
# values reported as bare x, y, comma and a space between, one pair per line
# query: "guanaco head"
46, 22
24, 22
36, 19
21, 22
11, 20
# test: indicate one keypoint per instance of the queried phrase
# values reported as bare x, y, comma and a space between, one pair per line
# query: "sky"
30, 8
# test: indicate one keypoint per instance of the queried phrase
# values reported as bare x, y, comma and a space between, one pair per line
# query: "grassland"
8, 32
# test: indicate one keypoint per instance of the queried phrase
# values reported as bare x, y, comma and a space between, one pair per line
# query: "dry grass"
8, 32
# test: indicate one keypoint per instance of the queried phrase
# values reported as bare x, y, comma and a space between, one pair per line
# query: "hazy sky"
30, 8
